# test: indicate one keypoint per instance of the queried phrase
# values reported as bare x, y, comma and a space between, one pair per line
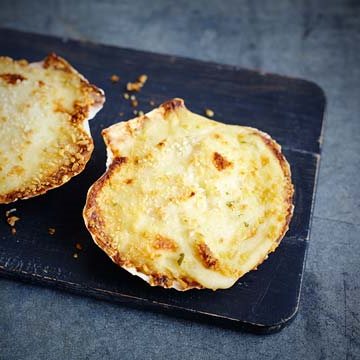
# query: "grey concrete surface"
316, 40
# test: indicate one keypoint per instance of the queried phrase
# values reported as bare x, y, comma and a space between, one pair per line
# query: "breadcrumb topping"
187, 202
45, 128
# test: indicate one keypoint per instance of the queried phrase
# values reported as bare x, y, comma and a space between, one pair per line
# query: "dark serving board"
291, 110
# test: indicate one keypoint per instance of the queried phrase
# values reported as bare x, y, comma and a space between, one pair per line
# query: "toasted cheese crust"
187, 202
45, 137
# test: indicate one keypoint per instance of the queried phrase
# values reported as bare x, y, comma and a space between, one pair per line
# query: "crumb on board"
11, 220
140, 113
138, 84
51, 231
134, 103
135, 112
121, 114
78, 246
126, 96
209, 112
152, 103
75, 255
114, 78
142, 79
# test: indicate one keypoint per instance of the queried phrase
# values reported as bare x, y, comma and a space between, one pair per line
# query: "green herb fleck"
246, 224
180, 259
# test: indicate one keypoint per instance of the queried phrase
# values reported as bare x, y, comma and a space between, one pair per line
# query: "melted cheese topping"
45, 138
189, 202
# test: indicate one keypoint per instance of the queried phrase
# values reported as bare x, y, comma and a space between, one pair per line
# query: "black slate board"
291, 110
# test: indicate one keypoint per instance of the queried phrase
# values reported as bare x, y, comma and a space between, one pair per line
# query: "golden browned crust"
163, 242
289, 192
12, 78
92, 97
207, 256
95, 224
58, 63
160, 280
56, 179
220, 162
92, 213
172, 105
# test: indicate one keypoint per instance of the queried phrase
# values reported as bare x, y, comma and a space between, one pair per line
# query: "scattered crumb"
75, 255
138, 84
78, 246
152, 103
126, 96
132, 97
121, 114
11, 220
209, 113
134, 103
7, 214
51, 231
140, 113
142, 79
135, 112
114, 78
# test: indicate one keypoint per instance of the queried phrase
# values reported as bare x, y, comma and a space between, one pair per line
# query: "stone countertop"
315, 40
